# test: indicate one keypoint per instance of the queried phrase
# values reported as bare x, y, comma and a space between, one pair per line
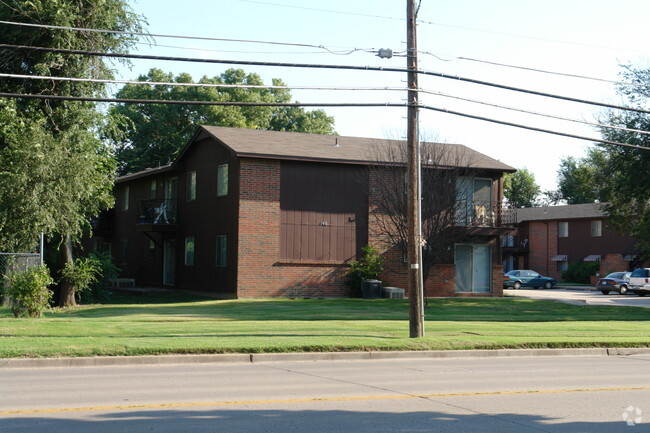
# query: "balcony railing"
476, 213
163, 212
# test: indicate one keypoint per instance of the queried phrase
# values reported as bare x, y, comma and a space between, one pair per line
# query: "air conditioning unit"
393, 293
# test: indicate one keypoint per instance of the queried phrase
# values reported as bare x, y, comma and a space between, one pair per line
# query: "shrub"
580, 272
81, 273
368, 267
96, 292
28, 292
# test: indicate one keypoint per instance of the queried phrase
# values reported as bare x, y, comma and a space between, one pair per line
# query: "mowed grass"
174, 323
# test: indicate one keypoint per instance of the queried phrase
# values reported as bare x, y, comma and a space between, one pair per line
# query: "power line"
322, 66
532, 128
328, 88
313, 104
563, 74
199, 38
207, 85
433, 23
535, 113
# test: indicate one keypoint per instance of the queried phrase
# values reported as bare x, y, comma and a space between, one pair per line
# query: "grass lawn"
174, 323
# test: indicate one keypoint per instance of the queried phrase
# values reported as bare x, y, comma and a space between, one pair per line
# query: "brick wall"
613, 263
542, 241
260, 272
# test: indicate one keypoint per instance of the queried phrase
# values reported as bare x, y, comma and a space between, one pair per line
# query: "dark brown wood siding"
324, 211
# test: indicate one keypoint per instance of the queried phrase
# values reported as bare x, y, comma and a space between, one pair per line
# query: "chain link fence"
13, 263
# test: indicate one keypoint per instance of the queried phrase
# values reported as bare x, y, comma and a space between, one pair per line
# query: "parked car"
526, 278
614, 282
640, 281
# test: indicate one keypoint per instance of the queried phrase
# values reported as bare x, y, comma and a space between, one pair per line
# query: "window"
222, 242
596, 228
191, 186
152, 249
563, 229
152, 190
125, 198
124, 249
189, 251
562, 266
222, 180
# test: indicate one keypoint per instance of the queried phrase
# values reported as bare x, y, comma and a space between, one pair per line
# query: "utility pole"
413, 219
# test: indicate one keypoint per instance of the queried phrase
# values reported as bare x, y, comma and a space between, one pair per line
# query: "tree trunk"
66, 298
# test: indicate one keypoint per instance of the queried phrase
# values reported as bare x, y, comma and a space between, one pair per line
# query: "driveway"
587, 296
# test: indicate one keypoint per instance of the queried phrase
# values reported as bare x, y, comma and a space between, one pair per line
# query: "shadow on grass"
282, 309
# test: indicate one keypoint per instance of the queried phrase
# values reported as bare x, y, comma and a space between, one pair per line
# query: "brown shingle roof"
573, 211
325, 148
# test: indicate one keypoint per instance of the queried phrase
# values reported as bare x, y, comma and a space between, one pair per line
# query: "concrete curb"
106, 361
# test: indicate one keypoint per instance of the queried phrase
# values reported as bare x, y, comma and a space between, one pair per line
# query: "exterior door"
473, 268
169, 262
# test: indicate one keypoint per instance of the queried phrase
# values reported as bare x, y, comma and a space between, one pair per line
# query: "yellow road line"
308, 400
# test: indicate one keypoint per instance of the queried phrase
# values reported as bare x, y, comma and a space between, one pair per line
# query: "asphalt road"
581, 297
515, 394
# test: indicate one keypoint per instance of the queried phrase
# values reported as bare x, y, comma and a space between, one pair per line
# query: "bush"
368, 267
82, 273
96, 293
580, 272
28, 292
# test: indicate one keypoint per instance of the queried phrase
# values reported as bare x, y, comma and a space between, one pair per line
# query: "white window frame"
222, 180
596, 228
191, 185
190, 248
563, 229
126, 198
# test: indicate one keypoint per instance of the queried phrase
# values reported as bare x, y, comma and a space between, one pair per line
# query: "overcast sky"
582, 37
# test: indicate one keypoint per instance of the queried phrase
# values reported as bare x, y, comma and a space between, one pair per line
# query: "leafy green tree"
54, 170
626, 175
147, 135
520, 189
581, 180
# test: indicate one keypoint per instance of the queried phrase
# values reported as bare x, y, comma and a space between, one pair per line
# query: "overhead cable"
328, 88
535, 113
313, 104
199, 38
322, 66
433, 23
208, 85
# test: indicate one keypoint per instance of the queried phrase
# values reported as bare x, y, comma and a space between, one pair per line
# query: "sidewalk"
108, 361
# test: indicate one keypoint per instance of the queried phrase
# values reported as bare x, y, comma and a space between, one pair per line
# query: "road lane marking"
308, 400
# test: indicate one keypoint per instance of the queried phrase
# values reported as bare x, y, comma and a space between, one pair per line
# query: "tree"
626, 175
581, 180
445, 168
147, 135
520, 189
54, 170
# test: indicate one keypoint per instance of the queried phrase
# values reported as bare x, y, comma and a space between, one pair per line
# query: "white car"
640, 281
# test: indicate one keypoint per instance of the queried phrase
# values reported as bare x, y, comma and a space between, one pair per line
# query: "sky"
580, 37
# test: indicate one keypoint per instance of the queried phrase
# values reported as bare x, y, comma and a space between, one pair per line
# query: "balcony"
485, 218
158, 215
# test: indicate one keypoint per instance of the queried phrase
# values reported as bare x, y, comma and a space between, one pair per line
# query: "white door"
169, 262
473, 270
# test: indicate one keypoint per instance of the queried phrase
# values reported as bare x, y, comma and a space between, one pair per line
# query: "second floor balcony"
485, 216
158, 214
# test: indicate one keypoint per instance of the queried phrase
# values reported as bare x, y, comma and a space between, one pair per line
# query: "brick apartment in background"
549, 238
251, 213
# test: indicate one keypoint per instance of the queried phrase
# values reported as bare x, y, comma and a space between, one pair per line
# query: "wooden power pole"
414, 241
